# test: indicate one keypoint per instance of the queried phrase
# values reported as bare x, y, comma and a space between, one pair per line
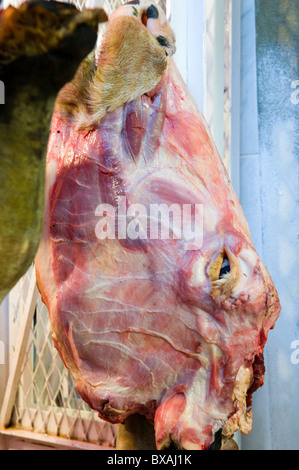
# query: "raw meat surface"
158, 327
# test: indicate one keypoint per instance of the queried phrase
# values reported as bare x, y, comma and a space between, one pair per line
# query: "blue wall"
270, 198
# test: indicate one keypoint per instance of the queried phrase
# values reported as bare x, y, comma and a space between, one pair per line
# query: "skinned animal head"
159, 303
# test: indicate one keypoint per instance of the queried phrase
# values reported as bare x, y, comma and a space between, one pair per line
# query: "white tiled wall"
270, 198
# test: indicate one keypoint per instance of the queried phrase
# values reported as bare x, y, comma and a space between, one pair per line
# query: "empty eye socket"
225, 268
219, 269
223, 273
163, 41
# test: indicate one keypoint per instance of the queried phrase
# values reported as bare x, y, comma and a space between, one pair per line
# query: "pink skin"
136, 322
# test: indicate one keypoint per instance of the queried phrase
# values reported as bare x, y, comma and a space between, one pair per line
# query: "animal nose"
170, 48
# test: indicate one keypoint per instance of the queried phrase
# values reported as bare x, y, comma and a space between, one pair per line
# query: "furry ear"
131, 63
73, 98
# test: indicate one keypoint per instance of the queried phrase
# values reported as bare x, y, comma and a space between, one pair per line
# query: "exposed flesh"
149, 326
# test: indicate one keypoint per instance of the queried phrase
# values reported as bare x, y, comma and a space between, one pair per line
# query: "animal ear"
118, 70
163, 41
73, 97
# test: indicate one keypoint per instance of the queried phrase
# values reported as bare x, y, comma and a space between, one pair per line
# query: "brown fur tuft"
131, 63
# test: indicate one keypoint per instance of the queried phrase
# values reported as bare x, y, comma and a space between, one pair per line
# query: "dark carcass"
42, 43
